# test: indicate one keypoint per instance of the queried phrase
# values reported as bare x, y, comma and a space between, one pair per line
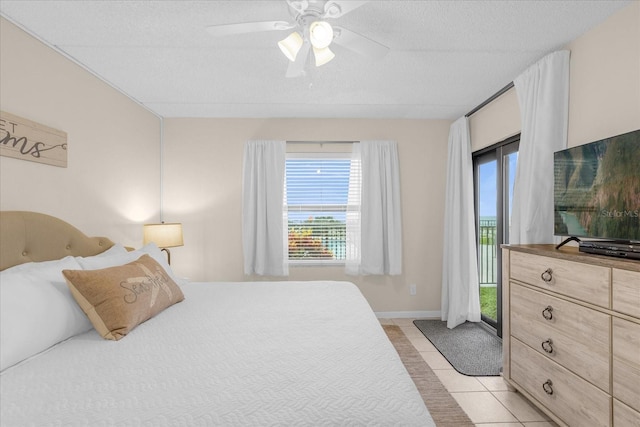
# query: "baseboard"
408, 314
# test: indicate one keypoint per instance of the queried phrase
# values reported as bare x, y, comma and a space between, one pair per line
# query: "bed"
230, 354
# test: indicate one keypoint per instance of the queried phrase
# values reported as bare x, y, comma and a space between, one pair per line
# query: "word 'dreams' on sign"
23, 139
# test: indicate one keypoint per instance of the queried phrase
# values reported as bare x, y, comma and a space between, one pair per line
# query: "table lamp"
165, 235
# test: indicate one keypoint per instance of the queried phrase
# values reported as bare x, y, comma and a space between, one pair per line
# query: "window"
320, 189
494, 175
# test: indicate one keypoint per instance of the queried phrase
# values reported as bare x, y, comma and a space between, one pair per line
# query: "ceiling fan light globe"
323, 55
291, 45
320, 34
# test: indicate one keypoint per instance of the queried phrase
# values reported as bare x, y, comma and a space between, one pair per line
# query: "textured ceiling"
445, 57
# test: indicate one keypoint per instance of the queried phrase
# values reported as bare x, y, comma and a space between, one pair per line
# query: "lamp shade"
320, 34
291, 45
323, 55
165, 235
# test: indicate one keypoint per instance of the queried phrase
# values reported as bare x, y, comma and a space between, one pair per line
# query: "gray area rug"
470, 347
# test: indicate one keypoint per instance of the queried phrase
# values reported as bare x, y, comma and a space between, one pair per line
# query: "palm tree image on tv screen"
597, 189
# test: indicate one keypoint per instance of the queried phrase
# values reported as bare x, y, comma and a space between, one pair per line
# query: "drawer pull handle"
548, 346
547, 275
548, 387
547, 313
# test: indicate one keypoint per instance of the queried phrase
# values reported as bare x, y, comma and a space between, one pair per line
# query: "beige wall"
203, 188
605, 79
111, 184
604, 94
496, 121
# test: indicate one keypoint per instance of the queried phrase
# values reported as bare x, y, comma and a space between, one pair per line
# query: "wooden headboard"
31, 236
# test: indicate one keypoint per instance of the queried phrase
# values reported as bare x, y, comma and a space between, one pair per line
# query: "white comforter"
230, 354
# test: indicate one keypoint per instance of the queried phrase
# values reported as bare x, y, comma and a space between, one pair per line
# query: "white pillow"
154, 252
46, 270
116, 249
109, 260
118, 259
37, 309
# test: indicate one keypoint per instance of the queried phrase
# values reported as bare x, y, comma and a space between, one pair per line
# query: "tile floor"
488, 401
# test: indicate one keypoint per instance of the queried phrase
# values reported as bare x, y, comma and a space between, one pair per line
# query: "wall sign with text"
23, 139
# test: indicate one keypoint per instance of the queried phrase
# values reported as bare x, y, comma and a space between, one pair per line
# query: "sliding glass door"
486, 222
494, 174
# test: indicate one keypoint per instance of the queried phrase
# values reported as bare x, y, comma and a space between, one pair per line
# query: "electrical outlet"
412, 289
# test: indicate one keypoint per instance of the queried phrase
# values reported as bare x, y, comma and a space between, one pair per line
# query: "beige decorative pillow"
117, 299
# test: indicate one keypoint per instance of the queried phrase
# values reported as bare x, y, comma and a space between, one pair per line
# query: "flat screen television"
597, 189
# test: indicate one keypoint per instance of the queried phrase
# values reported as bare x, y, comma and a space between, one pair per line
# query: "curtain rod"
321, 142
491, 98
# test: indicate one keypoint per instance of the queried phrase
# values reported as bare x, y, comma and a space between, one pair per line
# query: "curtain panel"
460, 284
379, 249
263, 219
543, 96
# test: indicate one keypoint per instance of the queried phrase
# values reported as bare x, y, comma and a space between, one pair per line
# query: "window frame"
316, 154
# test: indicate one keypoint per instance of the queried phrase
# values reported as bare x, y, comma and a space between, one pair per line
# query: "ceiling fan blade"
248, 27
296, 69
298, 5
335, 8
358, 43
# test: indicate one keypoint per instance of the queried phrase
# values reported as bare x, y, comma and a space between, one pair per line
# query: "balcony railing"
322, 239
326, 240
487, 260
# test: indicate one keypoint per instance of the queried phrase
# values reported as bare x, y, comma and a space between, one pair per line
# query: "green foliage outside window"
322, 237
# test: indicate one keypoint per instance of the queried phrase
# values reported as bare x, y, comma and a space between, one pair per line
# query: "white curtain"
263, 218
354, 212
543, 96
460, 285
380, 237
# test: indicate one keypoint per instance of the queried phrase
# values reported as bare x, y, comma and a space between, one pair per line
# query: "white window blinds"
317, 200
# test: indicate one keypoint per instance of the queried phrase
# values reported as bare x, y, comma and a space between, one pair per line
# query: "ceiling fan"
311, 33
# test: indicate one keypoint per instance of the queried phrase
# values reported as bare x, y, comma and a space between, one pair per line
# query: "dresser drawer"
572, 399
626, 362
623, 416
574, 336
585, 282
626, 292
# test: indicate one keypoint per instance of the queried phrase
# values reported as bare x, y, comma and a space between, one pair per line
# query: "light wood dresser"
571, 333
